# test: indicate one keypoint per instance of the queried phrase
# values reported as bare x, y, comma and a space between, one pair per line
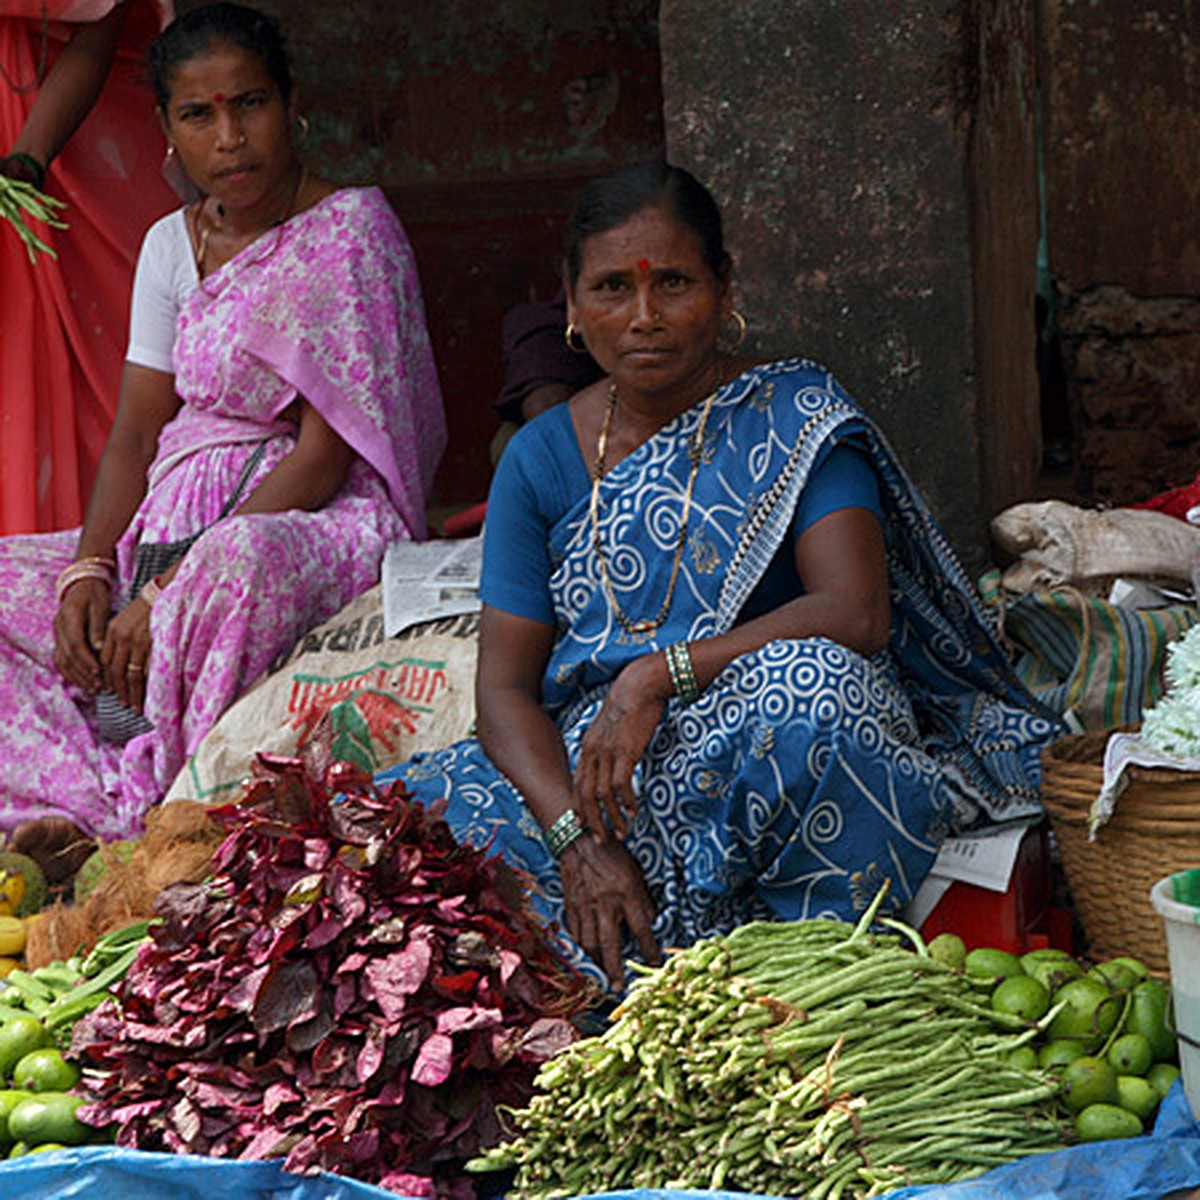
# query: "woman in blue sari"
729, 668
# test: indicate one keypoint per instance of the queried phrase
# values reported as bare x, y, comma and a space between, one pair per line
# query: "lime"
19, 1035
1136, 1095
1129, 963
948, 948
1100, 1122
1023, 1057
1130, 1054
19, 1150
1149, 1001
1021, 996
1115, 975
1087, 1081
1089, 1012
49, 1117
1161, 1077
45, 1070
1058, 1052
46, 1146
984, 962
1051, 967
9, 1098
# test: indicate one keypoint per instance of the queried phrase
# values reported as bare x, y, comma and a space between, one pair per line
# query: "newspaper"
426, 581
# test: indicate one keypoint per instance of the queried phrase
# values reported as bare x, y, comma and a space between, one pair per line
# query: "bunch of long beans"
811, 1058
18, 200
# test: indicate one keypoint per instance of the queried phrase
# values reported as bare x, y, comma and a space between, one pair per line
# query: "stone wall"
876, 165
1122, 144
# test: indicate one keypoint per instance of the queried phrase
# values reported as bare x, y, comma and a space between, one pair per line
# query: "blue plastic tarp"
1143, 1168
104, 1172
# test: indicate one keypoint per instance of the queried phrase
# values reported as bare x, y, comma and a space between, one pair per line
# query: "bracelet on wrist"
94, 567
31, 164
566, 829
683, 675
152, 590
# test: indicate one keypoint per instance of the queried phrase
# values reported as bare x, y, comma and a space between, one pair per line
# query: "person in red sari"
75, 118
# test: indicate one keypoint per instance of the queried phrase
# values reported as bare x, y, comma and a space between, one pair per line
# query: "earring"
569, 334
302, 122
170, 150
740, 323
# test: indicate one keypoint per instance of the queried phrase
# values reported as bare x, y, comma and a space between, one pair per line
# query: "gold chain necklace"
645, 627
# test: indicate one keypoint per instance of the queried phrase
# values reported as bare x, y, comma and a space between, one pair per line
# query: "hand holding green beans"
20, 200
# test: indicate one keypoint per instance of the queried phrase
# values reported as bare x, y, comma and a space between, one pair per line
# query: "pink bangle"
151, 591
85, 568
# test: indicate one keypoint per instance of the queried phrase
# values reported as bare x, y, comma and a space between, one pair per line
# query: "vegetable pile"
19, 200
1172, 726
351, 990
812, 1059
60, 993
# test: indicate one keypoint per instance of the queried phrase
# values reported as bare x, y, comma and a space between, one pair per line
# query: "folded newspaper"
426, 581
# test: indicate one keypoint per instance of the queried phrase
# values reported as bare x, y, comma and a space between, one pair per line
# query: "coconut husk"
177, 847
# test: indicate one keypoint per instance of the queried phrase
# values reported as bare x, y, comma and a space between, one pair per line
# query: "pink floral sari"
328, 308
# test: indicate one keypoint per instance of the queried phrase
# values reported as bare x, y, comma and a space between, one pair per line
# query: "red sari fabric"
64, 324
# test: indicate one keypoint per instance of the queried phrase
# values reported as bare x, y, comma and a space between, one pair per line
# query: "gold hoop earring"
740, 322
302, 123
569, 334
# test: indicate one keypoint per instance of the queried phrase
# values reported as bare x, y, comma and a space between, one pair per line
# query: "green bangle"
38, 169
565, 830
683, 676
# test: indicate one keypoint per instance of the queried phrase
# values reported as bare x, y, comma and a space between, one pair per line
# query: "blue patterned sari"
806, 773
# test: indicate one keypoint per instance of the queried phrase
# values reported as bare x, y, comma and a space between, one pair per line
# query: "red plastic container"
1018, 919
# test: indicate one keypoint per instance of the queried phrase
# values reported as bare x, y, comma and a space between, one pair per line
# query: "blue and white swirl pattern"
805, 774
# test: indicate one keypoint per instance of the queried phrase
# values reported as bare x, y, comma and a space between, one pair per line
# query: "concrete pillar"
875, 163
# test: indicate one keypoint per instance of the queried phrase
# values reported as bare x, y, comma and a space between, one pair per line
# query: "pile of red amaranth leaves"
352, 990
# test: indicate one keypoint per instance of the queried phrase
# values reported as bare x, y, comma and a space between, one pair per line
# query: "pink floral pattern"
327, 307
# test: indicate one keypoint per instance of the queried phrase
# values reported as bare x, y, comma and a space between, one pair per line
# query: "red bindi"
219, 98
643, 265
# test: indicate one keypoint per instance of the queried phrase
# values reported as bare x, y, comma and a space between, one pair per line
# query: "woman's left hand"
614, 744
125, 656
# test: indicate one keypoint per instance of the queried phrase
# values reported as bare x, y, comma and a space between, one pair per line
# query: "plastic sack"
91, 1171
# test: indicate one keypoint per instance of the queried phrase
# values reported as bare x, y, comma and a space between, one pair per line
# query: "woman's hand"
615, 742
126, 653
605, 894
79, 627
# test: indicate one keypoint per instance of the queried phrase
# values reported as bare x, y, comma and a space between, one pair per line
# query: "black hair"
612, 199
193, 34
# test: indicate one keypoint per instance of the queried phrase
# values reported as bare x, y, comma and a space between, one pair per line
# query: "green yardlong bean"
813, 1058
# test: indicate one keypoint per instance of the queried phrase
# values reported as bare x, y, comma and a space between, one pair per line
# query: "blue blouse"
542, 475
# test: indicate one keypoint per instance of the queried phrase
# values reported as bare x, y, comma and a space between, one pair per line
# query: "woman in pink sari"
291, 428
74, 116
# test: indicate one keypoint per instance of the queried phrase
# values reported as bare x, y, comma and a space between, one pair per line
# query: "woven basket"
1154, 831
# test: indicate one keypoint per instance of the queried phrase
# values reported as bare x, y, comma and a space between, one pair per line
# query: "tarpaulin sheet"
1143, 1168
120, 1174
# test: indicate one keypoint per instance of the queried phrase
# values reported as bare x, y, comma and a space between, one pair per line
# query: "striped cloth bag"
1097, 664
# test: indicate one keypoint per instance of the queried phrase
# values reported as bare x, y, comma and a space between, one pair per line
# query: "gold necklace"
646, 626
